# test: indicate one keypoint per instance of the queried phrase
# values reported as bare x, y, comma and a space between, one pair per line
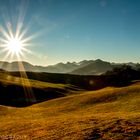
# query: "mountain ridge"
84, 67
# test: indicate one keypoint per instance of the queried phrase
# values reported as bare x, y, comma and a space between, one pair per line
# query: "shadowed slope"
12, 91
47, 86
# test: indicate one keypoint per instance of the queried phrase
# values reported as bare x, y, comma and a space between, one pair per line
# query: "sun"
15, 45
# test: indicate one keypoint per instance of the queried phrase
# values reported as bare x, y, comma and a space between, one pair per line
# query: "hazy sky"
73, 30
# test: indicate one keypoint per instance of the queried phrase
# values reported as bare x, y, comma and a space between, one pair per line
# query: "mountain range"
85, 67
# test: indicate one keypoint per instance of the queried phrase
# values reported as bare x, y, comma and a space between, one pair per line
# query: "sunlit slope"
17, 91
110, 113
7, 79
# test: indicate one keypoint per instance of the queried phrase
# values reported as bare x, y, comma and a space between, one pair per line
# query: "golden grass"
6, 79
106, 114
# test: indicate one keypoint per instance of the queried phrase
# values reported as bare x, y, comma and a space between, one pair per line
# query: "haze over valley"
85, 67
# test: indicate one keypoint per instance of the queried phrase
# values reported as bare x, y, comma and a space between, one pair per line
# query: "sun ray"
10, 30
27, 39
22, 13
3, 40
30, 98
4, 33
22, 34
18, 29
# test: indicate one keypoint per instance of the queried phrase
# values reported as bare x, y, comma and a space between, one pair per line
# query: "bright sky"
74, 30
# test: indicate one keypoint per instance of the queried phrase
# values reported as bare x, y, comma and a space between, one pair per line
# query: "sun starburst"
14, 44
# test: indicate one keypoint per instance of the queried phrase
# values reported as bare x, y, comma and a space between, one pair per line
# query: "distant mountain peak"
99, 60
85, 67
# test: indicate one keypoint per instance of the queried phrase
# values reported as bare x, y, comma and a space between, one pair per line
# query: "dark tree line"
123, 75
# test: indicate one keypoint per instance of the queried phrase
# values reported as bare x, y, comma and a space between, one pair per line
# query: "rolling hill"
109, 113
22, 91
63, 106
27, 88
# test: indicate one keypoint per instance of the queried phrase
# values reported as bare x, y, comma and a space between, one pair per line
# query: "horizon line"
69, 62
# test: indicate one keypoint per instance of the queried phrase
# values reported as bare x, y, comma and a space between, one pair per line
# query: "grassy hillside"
18, 91
119, 76
106, 114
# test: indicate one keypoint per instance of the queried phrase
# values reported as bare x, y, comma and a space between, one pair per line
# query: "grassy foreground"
106, 114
